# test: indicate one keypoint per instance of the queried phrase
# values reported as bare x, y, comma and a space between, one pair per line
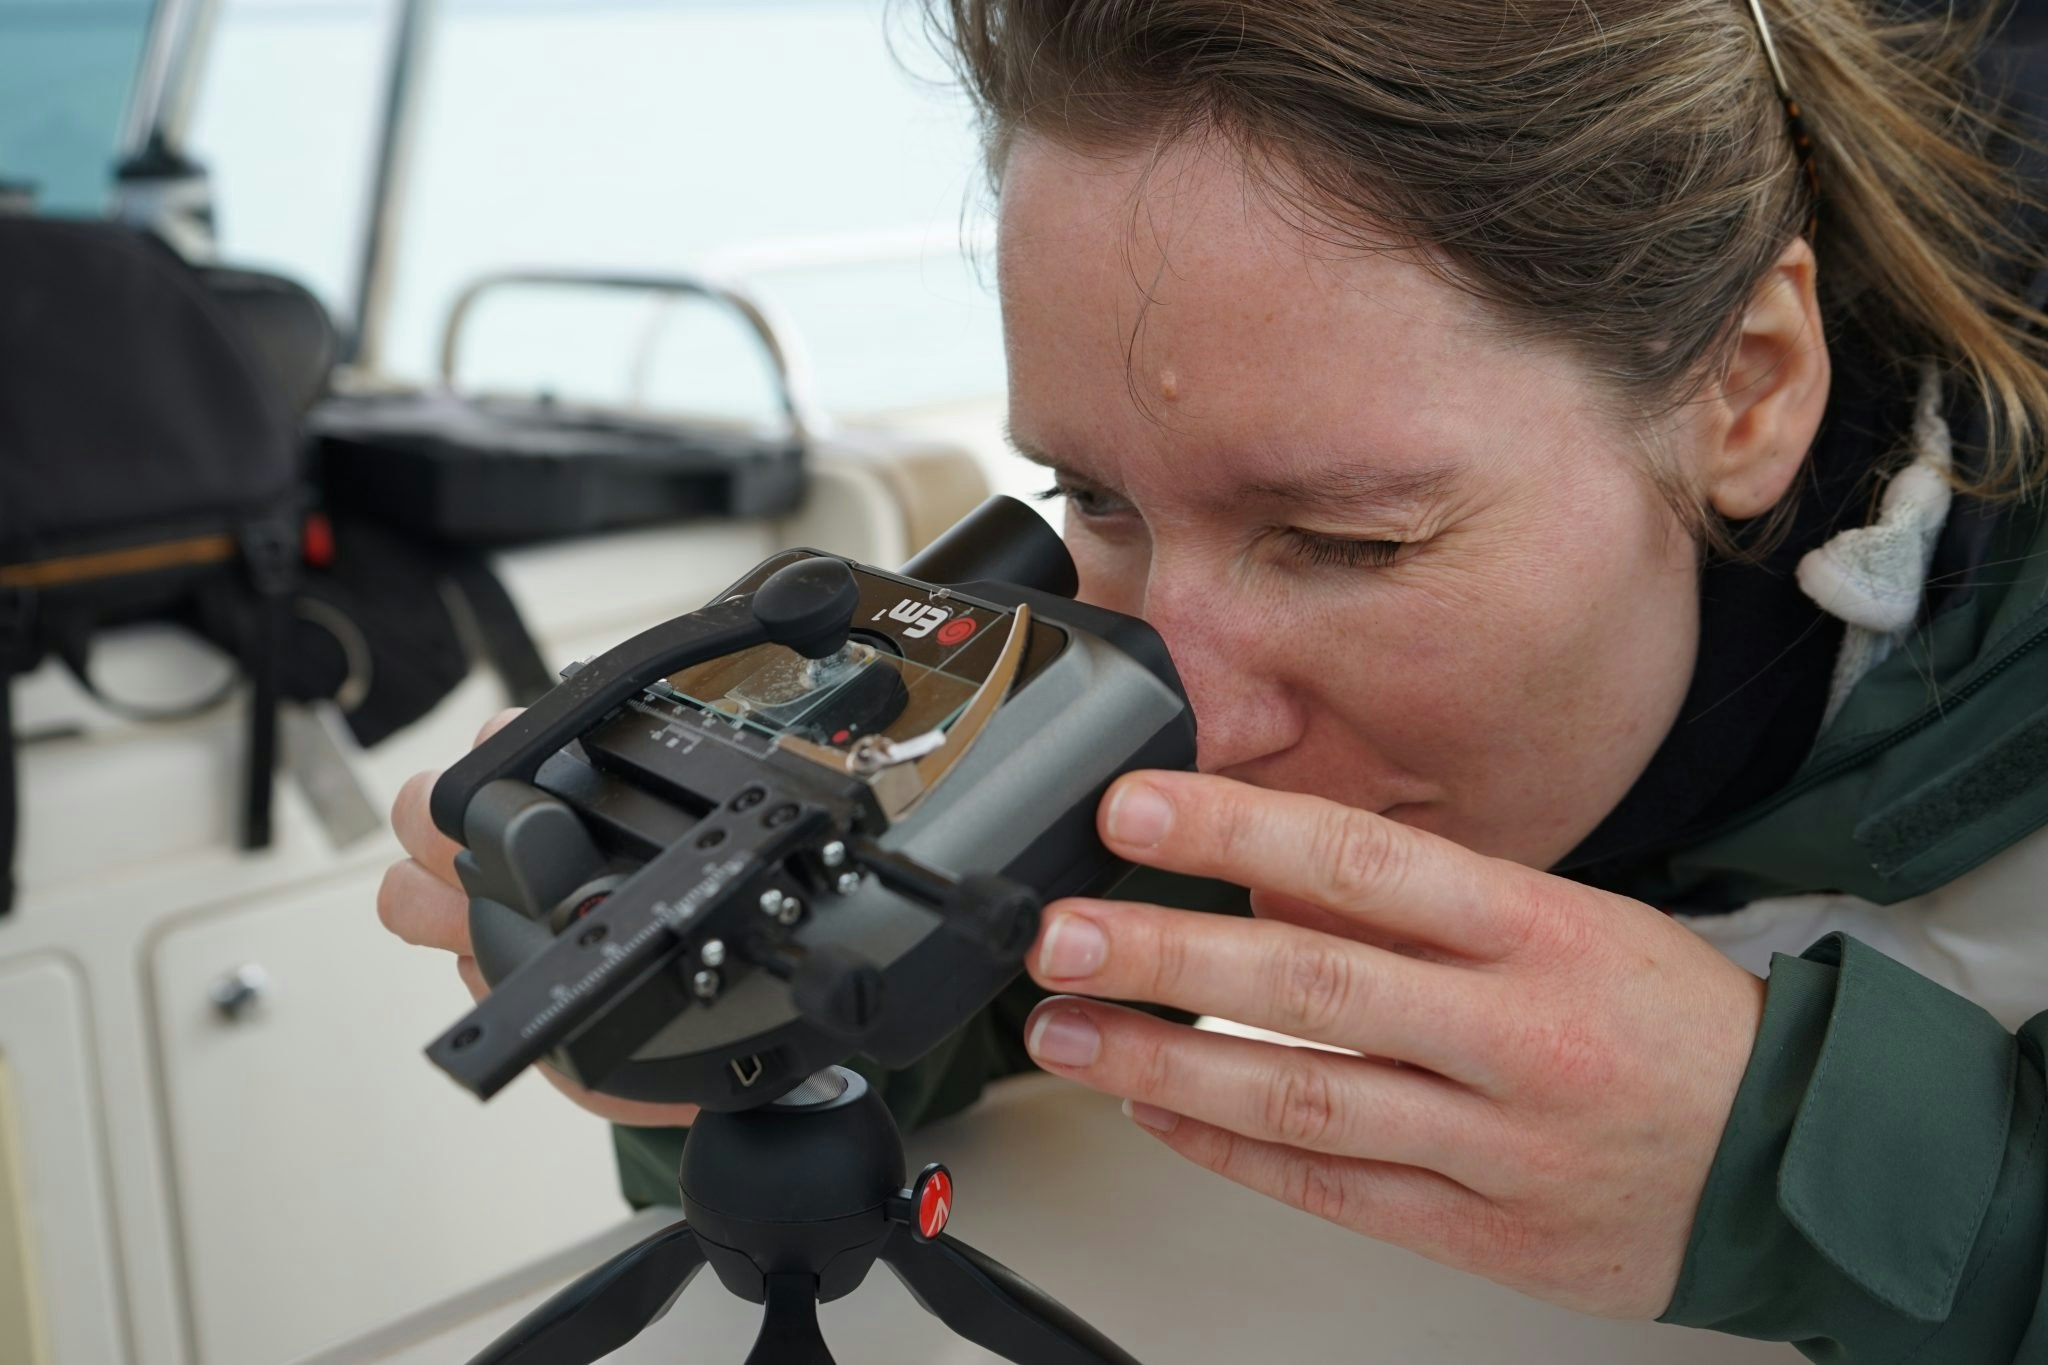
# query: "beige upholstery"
20, 1309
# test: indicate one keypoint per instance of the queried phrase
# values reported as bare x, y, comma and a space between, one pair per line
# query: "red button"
934, 1203
318, 544
956, 630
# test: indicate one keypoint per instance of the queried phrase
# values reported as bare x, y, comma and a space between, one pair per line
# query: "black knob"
994, 912
839, 990
808, 606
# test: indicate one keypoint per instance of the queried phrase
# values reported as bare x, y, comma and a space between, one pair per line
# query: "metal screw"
705, 984
848, 883
832, 854
792, 910
771, 902
235, 993
712, 954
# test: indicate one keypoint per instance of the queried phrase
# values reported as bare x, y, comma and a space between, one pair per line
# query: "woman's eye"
1340, 553
1089, 502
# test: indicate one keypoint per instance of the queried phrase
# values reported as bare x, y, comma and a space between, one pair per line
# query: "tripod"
792, 1204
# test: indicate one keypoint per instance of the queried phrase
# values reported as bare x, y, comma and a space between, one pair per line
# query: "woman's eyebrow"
1355, 487
1040, 457
1027, 450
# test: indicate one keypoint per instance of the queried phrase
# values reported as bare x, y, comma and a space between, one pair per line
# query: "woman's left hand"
1545, 1069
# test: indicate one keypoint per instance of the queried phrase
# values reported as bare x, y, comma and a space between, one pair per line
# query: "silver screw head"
790, 911
832, 854
771, 902
848, 883
240, 989
712, 954
705, 984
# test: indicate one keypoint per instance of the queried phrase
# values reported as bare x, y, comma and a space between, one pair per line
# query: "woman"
1486, 403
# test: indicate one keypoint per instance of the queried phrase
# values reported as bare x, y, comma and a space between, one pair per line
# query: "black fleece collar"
1766, 652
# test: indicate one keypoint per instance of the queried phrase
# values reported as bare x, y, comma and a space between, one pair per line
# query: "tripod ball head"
794, 1182
791, 1204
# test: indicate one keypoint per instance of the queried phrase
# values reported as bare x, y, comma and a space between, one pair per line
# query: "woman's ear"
1768, 404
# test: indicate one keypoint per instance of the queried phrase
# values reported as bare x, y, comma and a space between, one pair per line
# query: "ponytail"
1931, 241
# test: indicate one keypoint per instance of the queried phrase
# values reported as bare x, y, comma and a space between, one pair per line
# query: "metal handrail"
397, 128
791, 372
168, 74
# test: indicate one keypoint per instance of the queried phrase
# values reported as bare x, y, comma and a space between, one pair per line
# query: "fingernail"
1064, 1038
1139, 815
1151, 1116
1074, 946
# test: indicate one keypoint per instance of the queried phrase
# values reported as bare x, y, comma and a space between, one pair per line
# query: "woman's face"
1401, 560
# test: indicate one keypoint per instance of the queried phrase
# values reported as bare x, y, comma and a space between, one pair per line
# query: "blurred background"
812, 148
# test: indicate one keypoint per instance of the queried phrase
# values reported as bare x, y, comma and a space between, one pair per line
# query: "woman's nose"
1232, 667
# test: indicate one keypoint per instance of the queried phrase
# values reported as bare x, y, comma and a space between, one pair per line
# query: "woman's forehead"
1170, 294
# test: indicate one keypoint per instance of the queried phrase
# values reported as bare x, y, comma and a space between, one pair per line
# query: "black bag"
386, 623
490, 470
150, 466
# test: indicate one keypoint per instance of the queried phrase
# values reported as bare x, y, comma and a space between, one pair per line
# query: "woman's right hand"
423, 903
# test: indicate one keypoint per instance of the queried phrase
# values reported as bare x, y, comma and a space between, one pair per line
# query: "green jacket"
1881, 1190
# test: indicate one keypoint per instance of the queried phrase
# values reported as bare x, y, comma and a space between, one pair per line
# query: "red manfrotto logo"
934, 1204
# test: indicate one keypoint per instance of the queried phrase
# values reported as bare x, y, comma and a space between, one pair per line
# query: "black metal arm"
606, 1308
992, 1306
807, 606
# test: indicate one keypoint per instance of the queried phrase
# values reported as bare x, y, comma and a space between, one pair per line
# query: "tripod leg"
606, 1308
789, 1325
994, 1307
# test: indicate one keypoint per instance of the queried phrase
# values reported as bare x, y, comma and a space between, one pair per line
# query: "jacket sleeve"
1880, 1193
952, 1075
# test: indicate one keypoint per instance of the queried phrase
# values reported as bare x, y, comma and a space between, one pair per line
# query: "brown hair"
1614, 173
